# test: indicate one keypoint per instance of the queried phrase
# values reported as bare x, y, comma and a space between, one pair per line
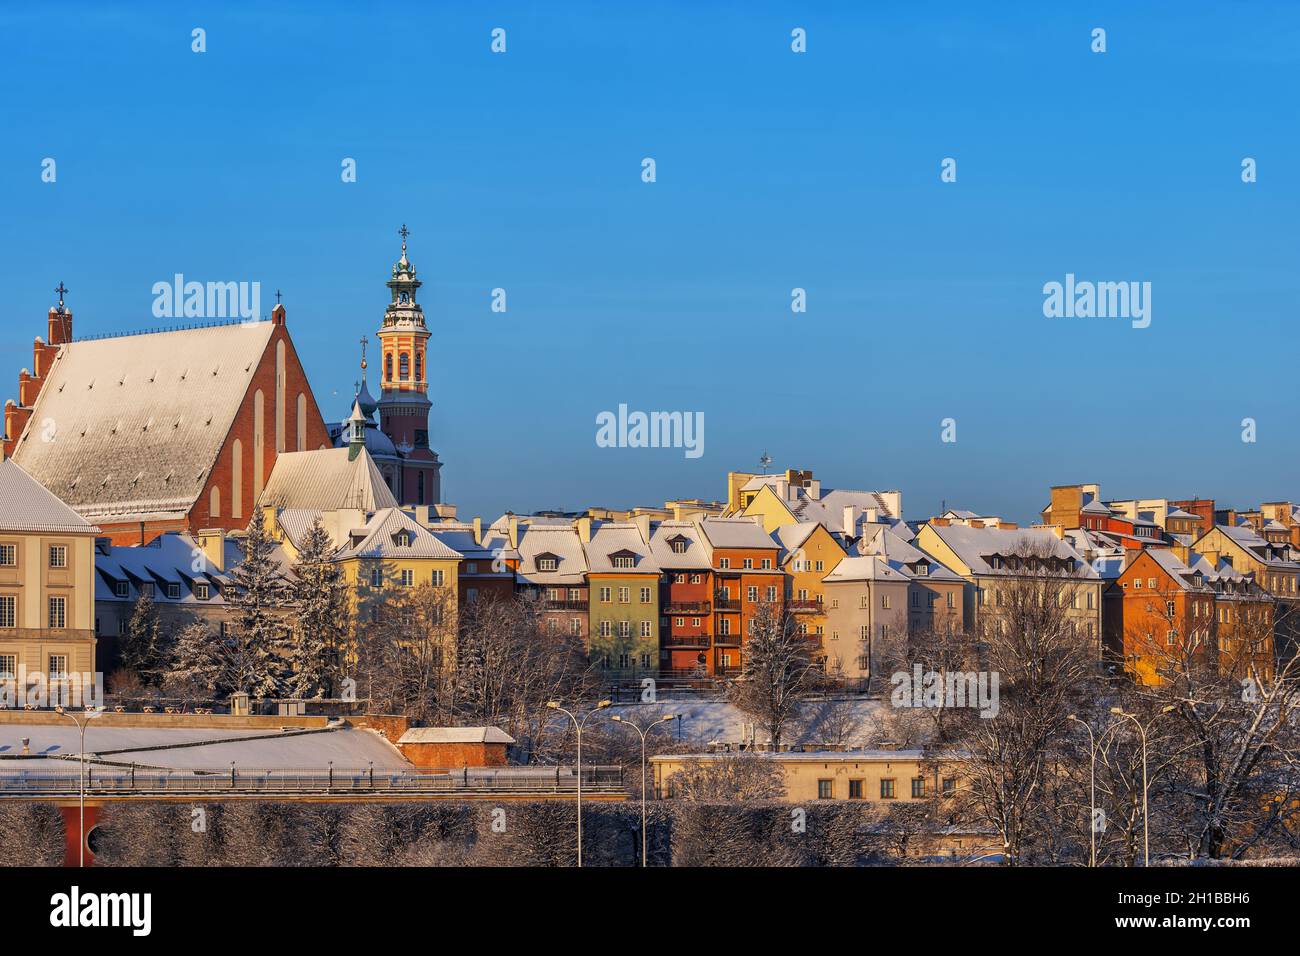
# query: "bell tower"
404, 382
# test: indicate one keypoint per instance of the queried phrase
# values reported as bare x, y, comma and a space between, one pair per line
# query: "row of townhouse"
649, 591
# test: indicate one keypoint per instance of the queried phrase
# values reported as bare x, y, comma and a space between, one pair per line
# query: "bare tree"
777, 672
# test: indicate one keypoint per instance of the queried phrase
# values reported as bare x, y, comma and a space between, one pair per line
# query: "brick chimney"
15, 421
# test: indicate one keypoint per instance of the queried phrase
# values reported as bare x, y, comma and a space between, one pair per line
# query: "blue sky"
774, 171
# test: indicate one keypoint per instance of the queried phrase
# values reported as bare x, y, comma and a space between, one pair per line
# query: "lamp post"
555, 705
1092, 784
644, 733
1142, 732
81, 785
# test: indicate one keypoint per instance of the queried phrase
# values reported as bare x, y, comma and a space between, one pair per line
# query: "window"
174, 591
681, 622
724, 563
624, 595
855, 789
408, 578
471, 595
58, 556
376, 577
8, 610
753, 594
121, 589
1169, 608
1151, 584
645, 595
624, 630
403, 539
647, 629
767, 564
605, 595
1171, 638
679, 546
645, 660
8, 555
819, 565
825, 789
1137, 584
918, 788
58, 612
605, 629
471, 567
624, 561
695, 579
438, 579
724, 626
623, 660
547, 564
202, 591
887, 789
884, 601
404, 366
58, 666
8, 666
749, 564
916, 599
771, 595
949, 786
575, 627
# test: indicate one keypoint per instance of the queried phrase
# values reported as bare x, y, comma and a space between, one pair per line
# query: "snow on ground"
716, 721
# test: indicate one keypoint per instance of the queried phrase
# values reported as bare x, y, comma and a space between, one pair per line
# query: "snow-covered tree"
258, 646
198, 662
777, 672
141, 650
319, 647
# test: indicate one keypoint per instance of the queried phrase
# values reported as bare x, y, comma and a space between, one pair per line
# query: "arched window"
388, 367
214, 502
404, 365
419, 367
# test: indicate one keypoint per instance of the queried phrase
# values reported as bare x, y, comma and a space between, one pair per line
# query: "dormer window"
403, 539
921, 569
121, 589
174, 592
623, 561
202, 591
679, 545
547, 564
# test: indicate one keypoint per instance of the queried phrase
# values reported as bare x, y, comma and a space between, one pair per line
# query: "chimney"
583, 526
478, 530
849, 520
512, 531
60, 326
422, 515
28, 388
15, 421
642, 523
872, 515
212, 542
278, 314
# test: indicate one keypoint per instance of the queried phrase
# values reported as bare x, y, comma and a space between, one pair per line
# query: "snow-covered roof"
614, 538
736, 533
974, 545
455, 735
661, 545
26, 505
394, 535
327, 479
561, 542
130, 427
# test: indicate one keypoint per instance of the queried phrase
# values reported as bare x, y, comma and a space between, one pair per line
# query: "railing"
804, 607
473, 780
678, 640
727, 640
727, 604
688, 607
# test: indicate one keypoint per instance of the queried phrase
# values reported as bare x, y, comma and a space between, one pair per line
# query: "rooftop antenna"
765, 460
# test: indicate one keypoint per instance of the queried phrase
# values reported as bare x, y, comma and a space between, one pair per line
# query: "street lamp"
81, 787
643, 733
555, 705
1142, 732
1092, 784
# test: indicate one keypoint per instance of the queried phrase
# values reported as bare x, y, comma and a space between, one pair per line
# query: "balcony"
726, 640
727, 604
562, 605
687, 607
805, 607
685, 640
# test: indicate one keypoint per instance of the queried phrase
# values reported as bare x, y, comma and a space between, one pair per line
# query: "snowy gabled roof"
616, 538
26, 505
904, 557
563, 542
736, 533
974, 545
383, 532
327, 479
130, 427
865, 569
661, 545
791, 537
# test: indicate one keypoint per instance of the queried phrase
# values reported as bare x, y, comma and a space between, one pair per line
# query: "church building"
399, 441
174, 430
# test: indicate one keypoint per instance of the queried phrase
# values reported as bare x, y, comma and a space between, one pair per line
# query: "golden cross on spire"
61, 290
403, 232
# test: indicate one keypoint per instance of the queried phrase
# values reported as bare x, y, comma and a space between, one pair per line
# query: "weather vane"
765, 460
